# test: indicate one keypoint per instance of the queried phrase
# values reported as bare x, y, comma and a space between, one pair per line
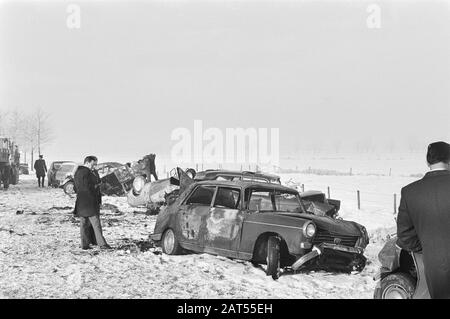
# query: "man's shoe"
86, 248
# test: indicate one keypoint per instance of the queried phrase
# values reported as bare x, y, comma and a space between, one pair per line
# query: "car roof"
246, 184
245, 173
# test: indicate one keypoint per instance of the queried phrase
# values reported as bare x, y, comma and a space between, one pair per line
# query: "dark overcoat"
40, 167
423, 223
88, 195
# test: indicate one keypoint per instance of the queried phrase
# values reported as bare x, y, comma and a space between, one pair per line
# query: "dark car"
261, 222
401, 275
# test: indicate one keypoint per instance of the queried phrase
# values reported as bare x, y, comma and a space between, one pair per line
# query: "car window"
202, 195
227, 198
271, 200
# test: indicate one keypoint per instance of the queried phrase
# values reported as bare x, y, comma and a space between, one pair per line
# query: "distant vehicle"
401, 275
9, 162
23, 169
261, 222
51, 173
64, 177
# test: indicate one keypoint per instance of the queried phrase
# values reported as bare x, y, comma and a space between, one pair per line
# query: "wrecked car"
117, 179
260, 222
401, 275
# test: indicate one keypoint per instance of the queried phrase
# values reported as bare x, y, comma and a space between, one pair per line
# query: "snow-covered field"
40, 255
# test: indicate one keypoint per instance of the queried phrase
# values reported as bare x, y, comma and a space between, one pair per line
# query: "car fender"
289, 229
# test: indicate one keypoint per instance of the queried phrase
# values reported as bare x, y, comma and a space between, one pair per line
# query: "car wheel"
170, 244
396, 286
273, 257
69, 188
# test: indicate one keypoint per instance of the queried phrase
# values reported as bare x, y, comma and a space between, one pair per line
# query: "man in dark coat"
41, 169
423, 222
87, 205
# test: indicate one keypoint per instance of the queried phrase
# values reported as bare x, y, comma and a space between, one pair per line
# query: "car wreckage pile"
250, 216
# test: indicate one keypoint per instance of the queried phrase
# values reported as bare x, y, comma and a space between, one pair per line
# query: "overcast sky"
135, 71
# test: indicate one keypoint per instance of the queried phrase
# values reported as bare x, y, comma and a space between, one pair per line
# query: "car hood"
336, 226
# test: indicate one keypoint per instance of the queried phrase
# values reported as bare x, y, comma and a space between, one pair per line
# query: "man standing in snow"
41, 169
87, 205
423, 223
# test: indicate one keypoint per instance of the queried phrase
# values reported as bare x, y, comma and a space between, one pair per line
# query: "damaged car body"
401, 275
260, 222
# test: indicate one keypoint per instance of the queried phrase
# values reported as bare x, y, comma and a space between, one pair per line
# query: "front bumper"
331, 256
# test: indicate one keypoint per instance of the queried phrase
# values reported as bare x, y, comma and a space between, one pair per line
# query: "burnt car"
401, 275
260, 222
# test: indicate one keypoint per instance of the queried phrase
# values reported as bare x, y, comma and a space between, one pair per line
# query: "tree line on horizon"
31, 130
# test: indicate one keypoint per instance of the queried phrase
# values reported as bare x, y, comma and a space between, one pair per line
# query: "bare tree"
43, 129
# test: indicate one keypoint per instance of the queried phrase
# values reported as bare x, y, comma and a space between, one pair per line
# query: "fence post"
202, 166
328, 192
303, 188
196, 167
395, 204
241, 167
351, 173
390, 171
359, 200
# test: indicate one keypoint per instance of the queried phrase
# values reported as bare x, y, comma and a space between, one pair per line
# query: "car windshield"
265, 200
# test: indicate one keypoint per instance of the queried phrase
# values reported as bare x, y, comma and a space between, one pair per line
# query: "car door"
192, 213
224, 222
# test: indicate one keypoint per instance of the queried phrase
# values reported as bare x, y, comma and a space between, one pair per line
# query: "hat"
438, 152
41, 156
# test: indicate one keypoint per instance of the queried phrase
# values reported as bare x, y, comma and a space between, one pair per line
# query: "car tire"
170, 244
396, 286
69, 188
273, 257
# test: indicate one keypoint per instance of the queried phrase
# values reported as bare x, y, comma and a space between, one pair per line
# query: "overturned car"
261, 222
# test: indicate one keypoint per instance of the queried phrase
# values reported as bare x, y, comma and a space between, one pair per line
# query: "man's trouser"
89, 225
39, 180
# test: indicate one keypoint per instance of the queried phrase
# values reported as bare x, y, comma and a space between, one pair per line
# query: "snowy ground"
40, 255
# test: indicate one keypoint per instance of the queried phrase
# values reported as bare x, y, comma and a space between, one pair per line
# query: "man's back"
425, 211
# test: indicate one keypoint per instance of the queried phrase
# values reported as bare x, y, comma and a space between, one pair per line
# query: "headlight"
309, 230
138, 184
